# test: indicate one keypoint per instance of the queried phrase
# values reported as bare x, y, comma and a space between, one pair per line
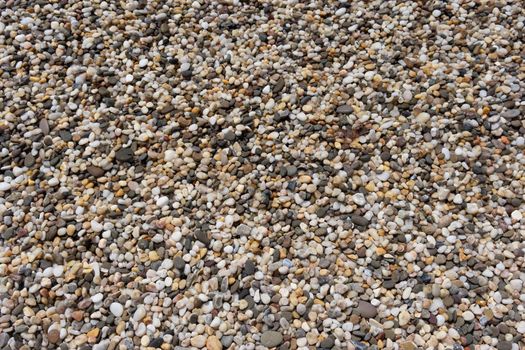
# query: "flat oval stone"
345, 109
271, 339
366, 309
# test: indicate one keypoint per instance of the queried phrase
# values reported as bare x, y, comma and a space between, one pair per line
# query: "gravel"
273, 174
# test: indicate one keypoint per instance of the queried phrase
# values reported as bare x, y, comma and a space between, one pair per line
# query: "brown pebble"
95, 171
53, 336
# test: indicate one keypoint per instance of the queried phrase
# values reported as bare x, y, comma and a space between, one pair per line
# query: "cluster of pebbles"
281, 174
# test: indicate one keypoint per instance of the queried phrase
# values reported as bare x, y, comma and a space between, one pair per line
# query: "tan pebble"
213, 343
305, 179
153, 256
120, 327
93, 334
70, 230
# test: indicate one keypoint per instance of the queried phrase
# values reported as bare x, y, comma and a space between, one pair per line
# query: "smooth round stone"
162, 201
345, 109
341, 11
468, 316
139, 313
97, 298
95, 171
116, 309
271, 339
302, 342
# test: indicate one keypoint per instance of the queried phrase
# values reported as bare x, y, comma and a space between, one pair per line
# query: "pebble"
4, 339
366, 309
179, 263
44, 126
243, 230
124, 155
226, 341
139, 314
516, 215
359, 199
116, 309
53, 336
213, 343
271, 339
423, 118
162, 201
404, 318
345, 109
95, 171
468, 316
96, 298
198, 341
359, 220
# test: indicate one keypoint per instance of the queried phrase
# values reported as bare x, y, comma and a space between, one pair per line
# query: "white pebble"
516, 215
58, 270
170, 155
162, 201
468, 316
359, 199
96, 226
116, 309
139, 314
520, 327
97, 298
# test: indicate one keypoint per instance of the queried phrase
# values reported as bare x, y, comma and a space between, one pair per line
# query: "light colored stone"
198, 341
116, 309
213, 343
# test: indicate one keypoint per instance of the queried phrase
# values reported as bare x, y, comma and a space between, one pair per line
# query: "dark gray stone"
179, 263
359, 220
202, 237
328, 342
345, 109
124, 155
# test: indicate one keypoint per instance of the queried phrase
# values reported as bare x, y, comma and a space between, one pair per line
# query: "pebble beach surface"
262, 174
